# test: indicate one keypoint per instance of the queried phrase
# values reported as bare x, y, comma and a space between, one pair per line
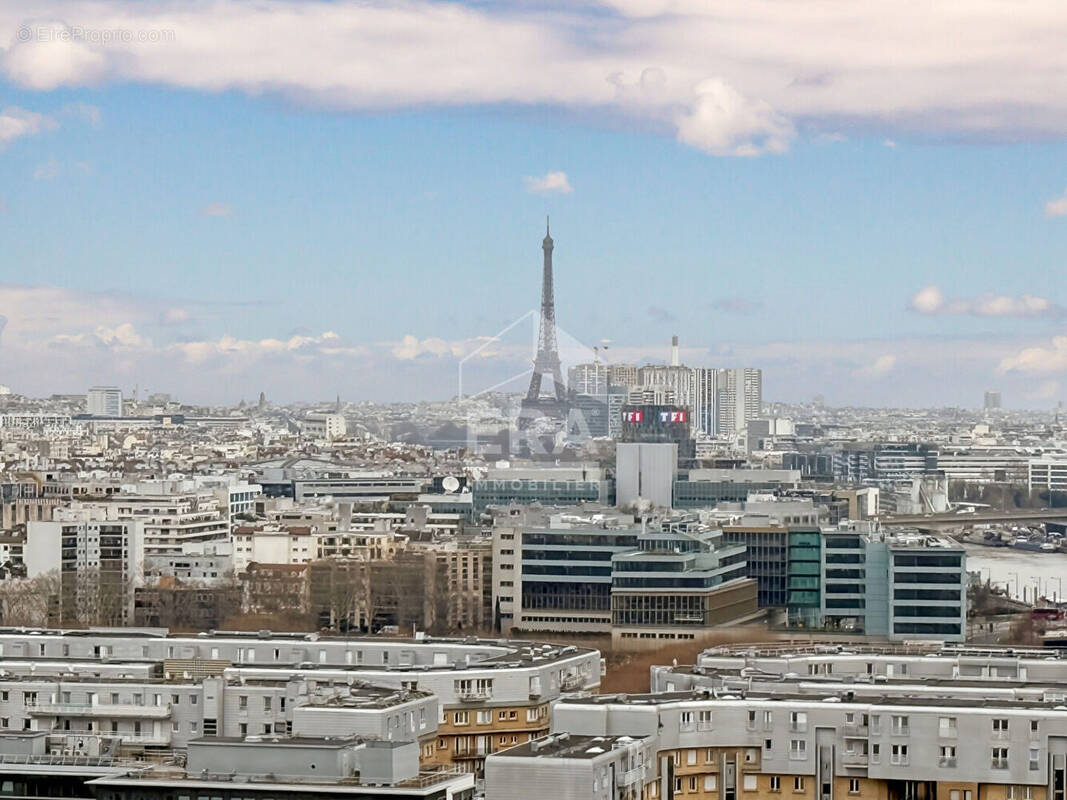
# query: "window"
853, 785
798, 749
776, 783
798, 783
693, 784
267, 703
947, 756
704, 720
533, 714
685, 721
1033, 726
1000, 758
242, 729
690, 757
798, 721
954, 794
484, 717
677, 785
898, 755
242, 702
750, 755
899, 723
1000, 728
461, 718
749, 783
709, 783
1035, 758
876, 753
751, 720
947, 727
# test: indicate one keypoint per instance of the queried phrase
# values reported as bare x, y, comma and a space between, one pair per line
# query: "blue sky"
211, 241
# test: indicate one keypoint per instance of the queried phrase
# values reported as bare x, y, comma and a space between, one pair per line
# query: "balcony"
999, 763
631, 776
142, 739
856, 731
49, 709
854, 759
571, 683
474, 695
947, 762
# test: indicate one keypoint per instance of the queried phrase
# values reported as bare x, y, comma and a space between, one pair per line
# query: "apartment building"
154, 692
937, 723
97, 564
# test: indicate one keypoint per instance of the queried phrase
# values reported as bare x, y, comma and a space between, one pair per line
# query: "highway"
955, 520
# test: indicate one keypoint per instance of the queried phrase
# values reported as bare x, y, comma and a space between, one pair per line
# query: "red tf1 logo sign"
633, 416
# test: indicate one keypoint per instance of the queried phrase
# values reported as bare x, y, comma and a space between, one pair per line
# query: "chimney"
674, 351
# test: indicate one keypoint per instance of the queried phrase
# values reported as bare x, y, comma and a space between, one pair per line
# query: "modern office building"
104, 401
595, 570
645, 471
552, 571
682, 580
900, 584
1047, 474
549, 486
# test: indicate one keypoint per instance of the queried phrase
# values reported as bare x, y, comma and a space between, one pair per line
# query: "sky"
868, 200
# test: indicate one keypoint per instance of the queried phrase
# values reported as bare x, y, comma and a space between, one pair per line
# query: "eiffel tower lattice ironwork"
547, 360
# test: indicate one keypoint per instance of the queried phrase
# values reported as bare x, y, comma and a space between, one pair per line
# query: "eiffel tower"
547, 360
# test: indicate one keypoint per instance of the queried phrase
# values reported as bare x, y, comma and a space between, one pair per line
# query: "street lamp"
1016, 576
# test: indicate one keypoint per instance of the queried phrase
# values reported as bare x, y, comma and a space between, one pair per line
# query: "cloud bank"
930, 300
727, 78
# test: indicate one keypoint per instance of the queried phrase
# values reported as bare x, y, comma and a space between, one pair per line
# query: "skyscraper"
739, 398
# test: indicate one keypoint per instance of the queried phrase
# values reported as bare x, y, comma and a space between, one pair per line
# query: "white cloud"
729, 78
930, 300
17, 122
1045, 359
879, 368
723, 122
411, 347
550, 182
217, 210
1057, 206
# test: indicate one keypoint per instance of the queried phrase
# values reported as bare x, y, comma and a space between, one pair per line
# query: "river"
1020, 571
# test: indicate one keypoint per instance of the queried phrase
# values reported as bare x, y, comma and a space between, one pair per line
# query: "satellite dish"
450, 483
